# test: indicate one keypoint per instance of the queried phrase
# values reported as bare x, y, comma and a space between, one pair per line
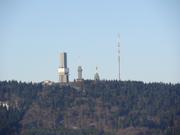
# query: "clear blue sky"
34, 32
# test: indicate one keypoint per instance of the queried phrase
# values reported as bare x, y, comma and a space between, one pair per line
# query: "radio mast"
119, 56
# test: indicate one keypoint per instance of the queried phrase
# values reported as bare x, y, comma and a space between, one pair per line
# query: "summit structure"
96, 76
79, 73
119, 71
63, 70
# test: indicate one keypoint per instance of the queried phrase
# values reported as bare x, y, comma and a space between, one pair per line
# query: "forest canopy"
91, 108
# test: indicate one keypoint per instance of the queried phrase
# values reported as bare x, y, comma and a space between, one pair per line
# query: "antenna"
119, 56
96, 69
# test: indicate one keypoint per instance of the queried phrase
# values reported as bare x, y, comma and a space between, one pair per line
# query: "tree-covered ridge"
101, 107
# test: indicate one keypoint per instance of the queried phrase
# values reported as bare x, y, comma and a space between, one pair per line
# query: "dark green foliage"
101, 108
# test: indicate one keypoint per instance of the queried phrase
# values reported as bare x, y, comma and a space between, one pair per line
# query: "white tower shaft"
63, 70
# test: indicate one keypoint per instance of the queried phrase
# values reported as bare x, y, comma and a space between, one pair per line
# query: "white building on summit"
63, 70
96, 76
4, 104
79, 73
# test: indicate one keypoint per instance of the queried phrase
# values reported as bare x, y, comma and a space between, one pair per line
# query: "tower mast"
119, 56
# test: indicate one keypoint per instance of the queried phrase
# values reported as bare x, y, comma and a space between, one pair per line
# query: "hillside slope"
98, 108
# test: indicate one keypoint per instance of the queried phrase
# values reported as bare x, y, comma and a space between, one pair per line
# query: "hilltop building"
47, 82
4, 104
63, 70
79, 82
79, 73
96, 76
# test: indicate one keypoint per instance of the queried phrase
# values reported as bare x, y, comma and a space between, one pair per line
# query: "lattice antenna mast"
119, 57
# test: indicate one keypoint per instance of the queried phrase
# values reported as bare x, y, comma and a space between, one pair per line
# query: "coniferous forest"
94, 108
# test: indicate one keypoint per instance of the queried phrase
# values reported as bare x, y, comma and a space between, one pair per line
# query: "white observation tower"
63, 70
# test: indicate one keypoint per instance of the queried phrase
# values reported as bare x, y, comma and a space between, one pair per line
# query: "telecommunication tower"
119, 56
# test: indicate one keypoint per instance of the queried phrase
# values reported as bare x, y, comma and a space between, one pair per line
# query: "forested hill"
95, 108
